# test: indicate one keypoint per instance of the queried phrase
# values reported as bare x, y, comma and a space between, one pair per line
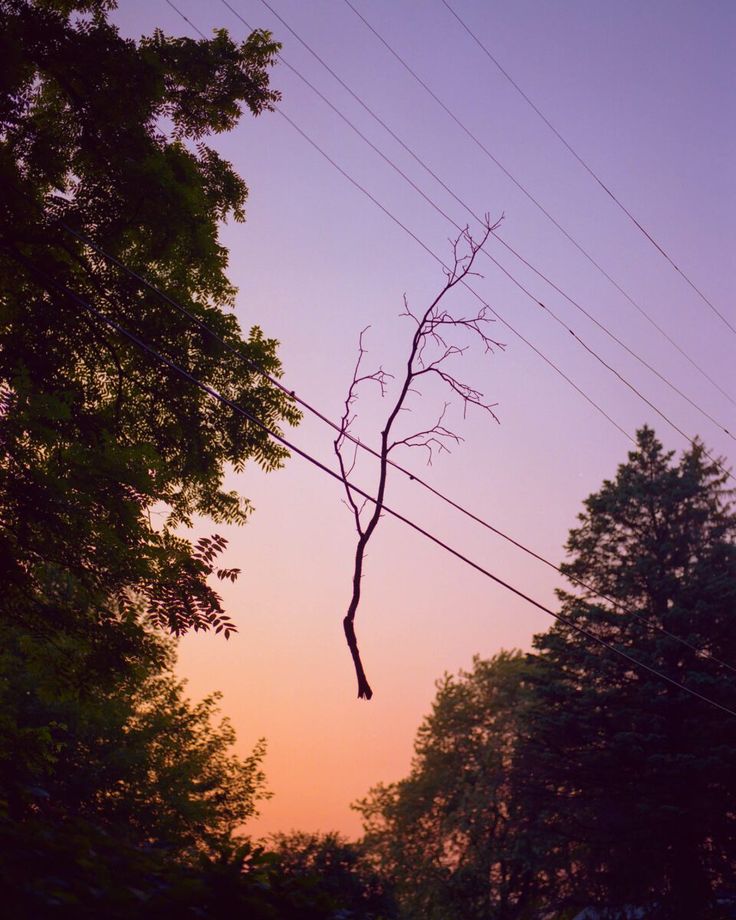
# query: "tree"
103, 139
453, 835
120, 798
112, 783
632, 777
344, 879
571, 777
109, 778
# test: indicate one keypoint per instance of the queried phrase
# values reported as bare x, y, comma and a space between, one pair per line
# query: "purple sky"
644, 92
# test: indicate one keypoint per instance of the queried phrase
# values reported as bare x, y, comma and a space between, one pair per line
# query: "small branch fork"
432, 348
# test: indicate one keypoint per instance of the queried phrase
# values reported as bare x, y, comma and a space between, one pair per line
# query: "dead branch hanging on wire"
430, 355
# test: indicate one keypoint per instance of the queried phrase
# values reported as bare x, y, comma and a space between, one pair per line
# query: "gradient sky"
644, 92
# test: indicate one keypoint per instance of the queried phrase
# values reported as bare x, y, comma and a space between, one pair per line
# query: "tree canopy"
118, 796
342, 874
106, 137
102, 767
570, 777
647, 773
453, 835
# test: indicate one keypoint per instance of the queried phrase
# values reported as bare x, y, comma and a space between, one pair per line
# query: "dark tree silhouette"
568, 779
108, 137
435, 342
633, 777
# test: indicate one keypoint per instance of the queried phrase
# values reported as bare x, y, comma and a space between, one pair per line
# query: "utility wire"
513, 279
534, 200
701, 652
177, 10
47, 282
238, 352
449, 190
439, 210
616, 339
437, 258
525, 290
465, 284
585, 165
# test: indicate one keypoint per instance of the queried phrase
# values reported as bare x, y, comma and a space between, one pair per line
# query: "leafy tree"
628, 775
570, 777
107, 776
120, 798
342, 876
113, 785
453, 834
107, 137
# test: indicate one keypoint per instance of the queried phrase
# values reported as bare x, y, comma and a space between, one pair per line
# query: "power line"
237, 352
585, 165
465, 284
437, 259
48, 283
508, 325
424, 246
525, 290
522, 287
616, 339
616, 373
703, 653
531, 198
177, 10
439, 210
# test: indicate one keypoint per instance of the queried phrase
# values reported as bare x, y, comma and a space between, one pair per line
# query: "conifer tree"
632, 778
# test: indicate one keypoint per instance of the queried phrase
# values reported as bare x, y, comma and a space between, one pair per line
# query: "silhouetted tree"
112, 783
454, 834
634, 777
105, 137
343, 877
109, 774
571, 778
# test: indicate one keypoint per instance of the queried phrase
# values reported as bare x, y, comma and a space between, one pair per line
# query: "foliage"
453, 834
87, 874
344, 879
106, 136
570, 777
632, 774
105, 763
119, 797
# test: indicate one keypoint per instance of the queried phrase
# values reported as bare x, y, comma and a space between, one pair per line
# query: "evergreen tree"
632, 779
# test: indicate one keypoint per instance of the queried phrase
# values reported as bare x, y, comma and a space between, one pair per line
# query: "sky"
644, 93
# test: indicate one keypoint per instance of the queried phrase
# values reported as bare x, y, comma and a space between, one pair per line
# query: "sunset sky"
644, 92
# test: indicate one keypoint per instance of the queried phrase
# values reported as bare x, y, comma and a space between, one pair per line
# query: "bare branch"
433, 344
434, 438
346, 468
